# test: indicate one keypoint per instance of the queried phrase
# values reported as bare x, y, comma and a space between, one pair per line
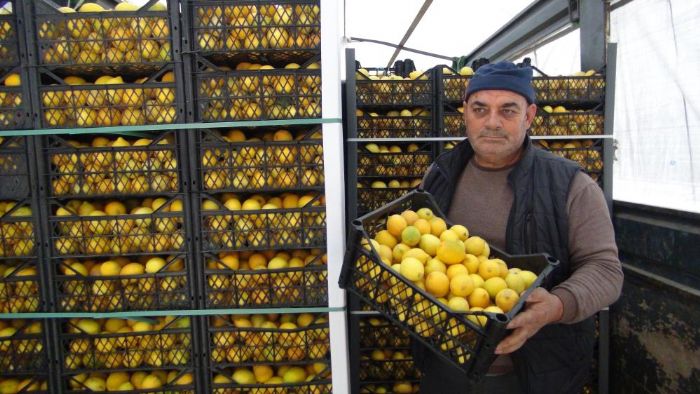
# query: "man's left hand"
541, 308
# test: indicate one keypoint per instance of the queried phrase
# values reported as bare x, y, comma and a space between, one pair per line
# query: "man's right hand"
541, 308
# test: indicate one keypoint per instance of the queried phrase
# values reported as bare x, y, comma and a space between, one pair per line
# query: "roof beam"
416, 20
594, 33
538, 21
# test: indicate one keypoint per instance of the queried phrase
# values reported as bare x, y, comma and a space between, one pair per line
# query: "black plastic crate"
568, 123
587, 153
19, 288
9, 35
453, 85
378, 332
569, 90
385, 91
111, 42
123, 284
235, 341
453, 123
18, 231
23, 348
263, 31
262, 286
222, 94
390, 387
223, 382
224, 229
143, 231
73, 102
449, 145
21, 278
104, 346
225, 164
370, 199
14, 101
14, 167
383, 126
450, 335
385, 370
393, 164
113, 166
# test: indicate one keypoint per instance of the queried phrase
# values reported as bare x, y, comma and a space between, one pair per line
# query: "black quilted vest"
558, 358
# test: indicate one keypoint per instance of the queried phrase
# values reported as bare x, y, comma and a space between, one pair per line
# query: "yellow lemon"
474, 245
434, 265
456, 269
461, 285
437, 284
506, 299
410, 236
461, 231
494, 285
479, 298
395, 224
489, 269
425, 213
412, 269
410, 216
429, 243
451, 252
529, 277
437, 226
515, 281
384, 237
458, 304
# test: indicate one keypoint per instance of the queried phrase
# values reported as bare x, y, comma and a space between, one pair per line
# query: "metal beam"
406, 36
534, 24
594, 34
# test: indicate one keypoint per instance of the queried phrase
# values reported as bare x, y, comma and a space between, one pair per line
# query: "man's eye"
479, 110
508, 112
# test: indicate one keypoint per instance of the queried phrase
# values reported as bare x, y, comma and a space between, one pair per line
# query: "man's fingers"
513, 341
521, 319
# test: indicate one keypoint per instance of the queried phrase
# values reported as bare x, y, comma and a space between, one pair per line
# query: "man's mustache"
493, 133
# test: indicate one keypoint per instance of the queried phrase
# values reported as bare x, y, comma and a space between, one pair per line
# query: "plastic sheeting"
657, 103
449, 27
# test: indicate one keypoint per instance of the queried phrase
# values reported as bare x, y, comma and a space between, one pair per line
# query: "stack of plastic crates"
136, 51
570, 120
259, 191
451, 86
399, 111
24, 353
386, 364
15, 107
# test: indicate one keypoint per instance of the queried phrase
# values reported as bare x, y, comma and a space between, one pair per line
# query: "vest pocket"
557, 359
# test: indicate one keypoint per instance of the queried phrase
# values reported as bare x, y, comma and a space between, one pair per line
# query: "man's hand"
541, 308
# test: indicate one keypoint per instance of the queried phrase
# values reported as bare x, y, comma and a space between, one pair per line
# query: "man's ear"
530, 113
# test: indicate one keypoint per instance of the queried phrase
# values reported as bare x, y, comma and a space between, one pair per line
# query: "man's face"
497, 121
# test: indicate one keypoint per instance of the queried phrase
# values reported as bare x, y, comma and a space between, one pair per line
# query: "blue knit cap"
502, 76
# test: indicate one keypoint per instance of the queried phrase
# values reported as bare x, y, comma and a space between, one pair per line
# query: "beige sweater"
482, 203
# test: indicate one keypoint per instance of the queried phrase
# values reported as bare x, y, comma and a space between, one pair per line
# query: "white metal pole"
331, 63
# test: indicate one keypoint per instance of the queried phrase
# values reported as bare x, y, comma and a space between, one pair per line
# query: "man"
522, 199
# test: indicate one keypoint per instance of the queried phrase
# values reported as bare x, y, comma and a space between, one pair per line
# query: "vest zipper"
530, 226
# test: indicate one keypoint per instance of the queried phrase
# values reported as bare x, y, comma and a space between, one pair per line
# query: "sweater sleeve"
596, 273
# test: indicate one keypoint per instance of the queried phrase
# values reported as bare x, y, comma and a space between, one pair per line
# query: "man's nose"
493, 120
